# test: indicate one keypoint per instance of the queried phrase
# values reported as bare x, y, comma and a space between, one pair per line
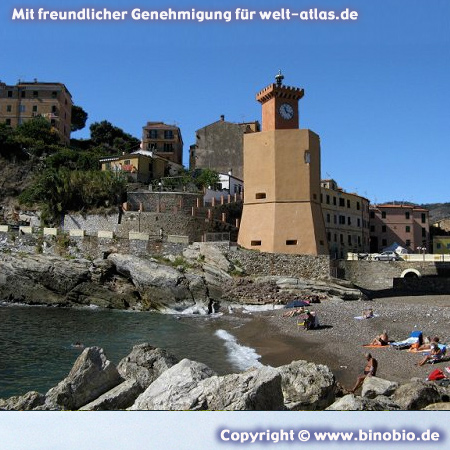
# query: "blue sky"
377, 90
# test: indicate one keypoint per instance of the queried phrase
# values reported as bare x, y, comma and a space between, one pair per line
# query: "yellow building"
282, 211
26, 100
441, 245
141, 166
346, 217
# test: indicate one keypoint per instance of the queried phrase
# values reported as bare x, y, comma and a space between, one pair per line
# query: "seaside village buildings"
286, 208
25, 100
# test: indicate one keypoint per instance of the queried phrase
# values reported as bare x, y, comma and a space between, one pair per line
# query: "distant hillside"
438, 211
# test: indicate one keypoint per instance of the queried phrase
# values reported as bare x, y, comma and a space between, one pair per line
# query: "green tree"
111, 138
78, 119
8, 146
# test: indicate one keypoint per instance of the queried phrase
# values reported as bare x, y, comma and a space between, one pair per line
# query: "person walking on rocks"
370, 370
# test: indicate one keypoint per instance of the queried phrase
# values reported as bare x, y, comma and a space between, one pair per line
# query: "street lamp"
159, 196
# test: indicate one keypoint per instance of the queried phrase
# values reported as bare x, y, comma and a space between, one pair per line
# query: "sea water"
36, 342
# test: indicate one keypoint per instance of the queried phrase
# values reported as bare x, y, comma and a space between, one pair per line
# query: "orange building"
282, 211
26, 100
163, 140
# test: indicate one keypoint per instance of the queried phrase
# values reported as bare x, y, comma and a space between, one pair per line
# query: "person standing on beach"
370, 370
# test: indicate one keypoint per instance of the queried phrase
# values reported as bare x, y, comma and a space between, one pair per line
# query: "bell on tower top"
279, 78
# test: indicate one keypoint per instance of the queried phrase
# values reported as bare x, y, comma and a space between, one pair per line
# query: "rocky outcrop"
352, 403
416, 395
152, 380
173, 390
119, 397
307, 386
28, 402
145, 364
253, 390
374, 386
161, 286
91, 376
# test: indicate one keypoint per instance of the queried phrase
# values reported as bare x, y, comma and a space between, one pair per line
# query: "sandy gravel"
338, 344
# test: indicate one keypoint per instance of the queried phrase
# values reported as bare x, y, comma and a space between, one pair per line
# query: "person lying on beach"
435, 353
429, 343
370, 370
382, 339
368, 313
294, 312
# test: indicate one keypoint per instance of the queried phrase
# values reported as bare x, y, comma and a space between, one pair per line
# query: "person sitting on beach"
435, 353
368, 313
370, 370
382, 339
310, 321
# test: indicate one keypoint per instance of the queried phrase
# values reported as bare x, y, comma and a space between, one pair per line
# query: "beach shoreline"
339, 342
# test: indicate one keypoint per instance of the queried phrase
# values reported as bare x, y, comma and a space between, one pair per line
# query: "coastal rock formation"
120, 397
91, 376
445, 406
253, 390
416, 395
374, 386
307, 386
95, 384
145, 364
28, 402
172, 391
161, 286
352, 403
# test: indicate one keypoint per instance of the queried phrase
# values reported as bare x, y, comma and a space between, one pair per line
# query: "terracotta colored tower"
282, 211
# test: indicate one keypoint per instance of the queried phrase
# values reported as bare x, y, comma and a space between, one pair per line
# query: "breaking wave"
240, 356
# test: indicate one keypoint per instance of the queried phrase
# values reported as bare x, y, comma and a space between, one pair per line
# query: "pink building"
408, 225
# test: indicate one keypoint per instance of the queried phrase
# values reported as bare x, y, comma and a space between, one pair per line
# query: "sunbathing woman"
430, 343
382, 339
435, 353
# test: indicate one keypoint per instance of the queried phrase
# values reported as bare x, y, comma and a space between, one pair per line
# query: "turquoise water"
36, 342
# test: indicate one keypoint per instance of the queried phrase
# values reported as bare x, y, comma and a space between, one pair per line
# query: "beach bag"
437, 374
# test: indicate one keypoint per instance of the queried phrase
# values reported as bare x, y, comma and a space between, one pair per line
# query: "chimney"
222, 117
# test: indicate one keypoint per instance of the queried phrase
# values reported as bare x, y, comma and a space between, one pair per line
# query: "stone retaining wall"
299, 266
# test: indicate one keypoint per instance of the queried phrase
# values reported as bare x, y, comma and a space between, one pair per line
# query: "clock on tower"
279, 105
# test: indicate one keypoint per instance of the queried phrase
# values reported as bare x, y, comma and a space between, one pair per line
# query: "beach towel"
362, 317
376, 346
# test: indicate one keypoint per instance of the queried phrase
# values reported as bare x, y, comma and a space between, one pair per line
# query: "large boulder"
374, 386
119, 397
91, 376
172, 390
444, 406
307, 386
145, 364
28, 402
416, 395
254, 390
352, 403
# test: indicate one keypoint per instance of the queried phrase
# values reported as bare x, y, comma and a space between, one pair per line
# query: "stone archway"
411, 273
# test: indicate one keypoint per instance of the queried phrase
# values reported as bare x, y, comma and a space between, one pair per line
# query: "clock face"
286, 111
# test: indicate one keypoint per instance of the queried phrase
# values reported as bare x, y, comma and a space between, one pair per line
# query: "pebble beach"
338, 343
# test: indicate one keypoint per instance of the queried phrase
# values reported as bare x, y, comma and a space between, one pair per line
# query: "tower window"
307, 157
291, 242
260, 195
255, 243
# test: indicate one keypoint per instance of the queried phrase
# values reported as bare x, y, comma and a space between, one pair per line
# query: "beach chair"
414, 337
